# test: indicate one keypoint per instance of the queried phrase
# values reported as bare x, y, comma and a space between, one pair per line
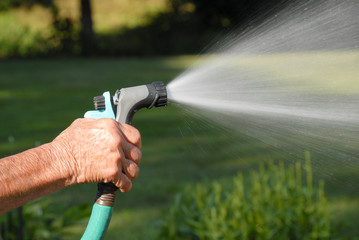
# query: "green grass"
39, 98
332, 72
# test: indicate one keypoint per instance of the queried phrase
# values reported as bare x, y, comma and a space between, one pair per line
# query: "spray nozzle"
159, 93
130, 100
127, 102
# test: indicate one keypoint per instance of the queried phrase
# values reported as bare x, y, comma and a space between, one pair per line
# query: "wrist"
62, 161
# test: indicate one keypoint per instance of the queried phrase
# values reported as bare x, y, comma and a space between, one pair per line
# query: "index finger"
131, 134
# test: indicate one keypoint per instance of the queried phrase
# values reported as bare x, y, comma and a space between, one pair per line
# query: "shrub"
42, 219
277, 204
17, 40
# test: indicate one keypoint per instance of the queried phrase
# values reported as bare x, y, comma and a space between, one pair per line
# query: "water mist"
291, 82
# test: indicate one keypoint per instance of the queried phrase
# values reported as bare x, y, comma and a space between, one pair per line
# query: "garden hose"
126, 102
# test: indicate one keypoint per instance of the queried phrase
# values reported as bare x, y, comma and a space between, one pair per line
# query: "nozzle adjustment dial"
162, 94
99, 102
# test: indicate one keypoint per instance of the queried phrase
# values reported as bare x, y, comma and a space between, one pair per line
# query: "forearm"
32, 174
87, 151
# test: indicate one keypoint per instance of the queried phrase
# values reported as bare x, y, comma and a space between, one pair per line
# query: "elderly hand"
99, 151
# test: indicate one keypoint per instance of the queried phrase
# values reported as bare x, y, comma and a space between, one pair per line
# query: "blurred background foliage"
32, 28
277, 204
41, 97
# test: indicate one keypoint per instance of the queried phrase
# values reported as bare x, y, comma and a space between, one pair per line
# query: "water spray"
121, 107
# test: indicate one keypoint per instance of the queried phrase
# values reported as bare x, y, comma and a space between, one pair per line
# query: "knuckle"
115, 158
132, 171
139, 155
112, 123
77, 120
117, 141
117, 183
136, 155
113, 173
136, 171
126, 186
118, 159
137, 136
133, 134
136, 133
107, 122
102, 121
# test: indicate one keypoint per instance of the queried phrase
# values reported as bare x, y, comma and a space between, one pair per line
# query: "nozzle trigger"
104, 113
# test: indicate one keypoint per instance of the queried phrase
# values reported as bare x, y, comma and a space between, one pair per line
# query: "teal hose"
102, 209
98, 223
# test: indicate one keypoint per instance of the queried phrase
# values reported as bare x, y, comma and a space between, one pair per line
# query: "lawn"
39, 98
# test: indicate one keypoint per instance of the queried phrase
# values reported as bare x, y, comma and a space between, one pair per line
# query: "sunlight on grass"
37, 18
327, 72
134, 223
331, 71
115, 14
344, 212
69, 9
5, 94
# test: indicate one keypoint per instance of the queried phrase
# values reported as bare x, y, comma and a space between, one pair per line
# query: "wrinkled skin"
101, 151
87, 151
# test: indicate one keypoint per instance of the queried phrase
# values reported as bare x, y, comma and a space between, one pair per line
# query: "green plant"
17, 40
42, 220
277, 204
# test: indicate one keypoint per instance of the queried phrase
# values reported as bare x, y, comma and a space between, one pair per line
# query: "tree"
87, 36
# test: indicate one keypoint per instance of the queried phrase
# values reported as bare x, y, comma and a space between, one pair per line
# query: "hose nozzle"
158, 92
127, 101
130, 100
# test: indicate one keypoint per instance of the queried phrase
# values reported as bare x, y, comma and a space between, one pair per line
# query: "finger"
131, 169
131, 134
132, 152
123, 183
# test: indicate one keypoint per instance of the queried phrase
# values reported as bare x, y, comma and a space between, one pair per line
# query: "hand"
100, 151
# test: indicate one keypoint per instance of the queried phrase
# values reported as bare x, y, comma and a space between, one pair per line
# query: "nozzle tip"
157, 94
161, 91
